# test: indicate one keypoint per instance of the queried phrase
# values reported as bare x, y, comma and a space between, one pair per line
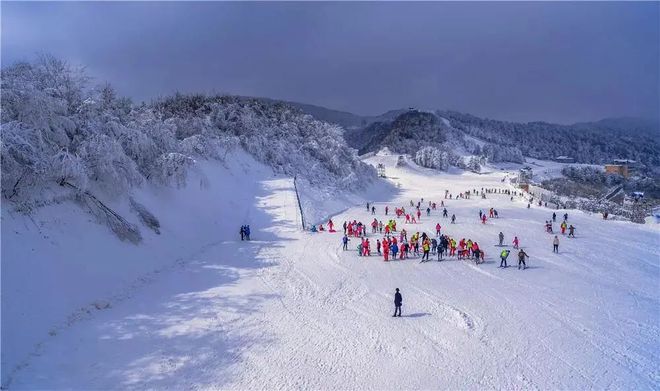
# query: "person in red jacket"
330, 226
386, 249
483, 219
407, 218
437, 229
419, 215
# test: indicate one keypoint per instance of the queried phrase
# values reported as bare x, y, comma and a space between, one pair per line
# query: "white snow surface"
196, 308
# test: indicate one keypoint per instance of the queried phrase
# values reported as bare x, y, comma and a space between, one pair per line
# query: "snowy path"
298, 312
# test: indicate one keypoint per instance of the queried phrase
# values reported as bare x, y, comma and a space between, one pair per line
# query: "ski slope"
290, 309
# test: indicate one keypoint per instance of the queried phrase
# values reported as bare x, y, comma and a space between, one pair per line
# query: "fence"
302, 217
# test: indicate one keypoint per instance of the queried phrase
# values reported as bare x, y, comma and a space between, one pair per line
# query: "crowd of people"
399, 245
396, 243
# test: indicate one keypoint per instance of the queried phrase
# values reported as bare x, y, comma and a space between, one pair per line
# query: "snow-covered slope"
290, 309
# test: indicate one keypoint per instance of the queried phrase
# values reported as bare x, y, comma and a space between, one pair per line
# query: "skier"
501, 239
453, 219
419, 215
554, 217
437, 229
380, 227
503, 256
444, 212
378, 246
571, 231
345, 240
247, 232
344, 228
395, 249
515, 242
242, 232
441, 248
452, 244
521, 259
478, 255
480, 214
428, 211
387, 209
386, 250
563, 227
555, 245
368, 207
331, 226
496, 215
373, 210
426, 246
565, 216
483, 219
398, 300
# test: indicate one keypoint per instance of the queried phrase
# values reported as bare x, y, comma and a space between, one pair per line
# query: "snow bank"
59, 264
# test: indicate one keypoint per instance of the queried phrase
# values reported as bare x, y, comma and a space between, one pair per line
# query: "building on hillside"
381, 170
525, 176
564, 159
634, 197
623, 167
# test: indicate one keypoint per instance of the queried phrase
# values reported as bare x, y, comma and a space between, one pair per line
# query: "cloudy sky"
561, 62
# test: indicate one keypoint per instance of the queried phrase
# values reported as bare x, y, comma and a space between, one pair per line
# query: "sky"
560, 62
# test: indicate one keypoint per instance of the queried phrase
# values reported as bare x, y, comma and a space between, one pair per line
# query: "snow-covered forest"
58, 129
586, 143
431, 140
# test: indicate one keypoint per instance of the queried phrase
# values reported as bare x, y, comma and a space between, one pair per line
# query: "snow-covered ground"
290, 309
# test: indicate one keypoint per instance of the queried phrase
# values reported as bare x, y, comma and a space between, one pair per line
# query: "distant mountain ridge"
588, 142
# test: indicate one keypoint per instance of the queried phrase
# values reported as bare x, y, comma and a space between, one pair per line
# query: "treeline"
584, 142
58, 128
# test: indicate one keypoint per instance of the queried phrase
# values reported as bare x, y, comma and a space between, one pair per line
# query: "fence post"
302, 217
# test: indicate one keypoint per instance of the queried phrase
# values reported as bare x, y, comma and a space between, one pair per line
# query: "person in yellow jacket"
426, 247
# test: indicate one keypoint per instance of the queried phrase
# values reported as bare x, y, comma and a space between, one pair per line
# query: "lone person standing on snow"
397, 303
501, 239
555, 245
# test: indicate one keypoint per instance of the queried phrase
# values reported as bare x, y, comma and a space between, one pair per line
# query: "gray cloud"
560, 62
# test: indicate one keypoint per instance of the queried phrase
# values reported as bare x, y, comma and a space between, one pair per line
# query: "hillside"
60, 132
594, 142
291, 309
587, 143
